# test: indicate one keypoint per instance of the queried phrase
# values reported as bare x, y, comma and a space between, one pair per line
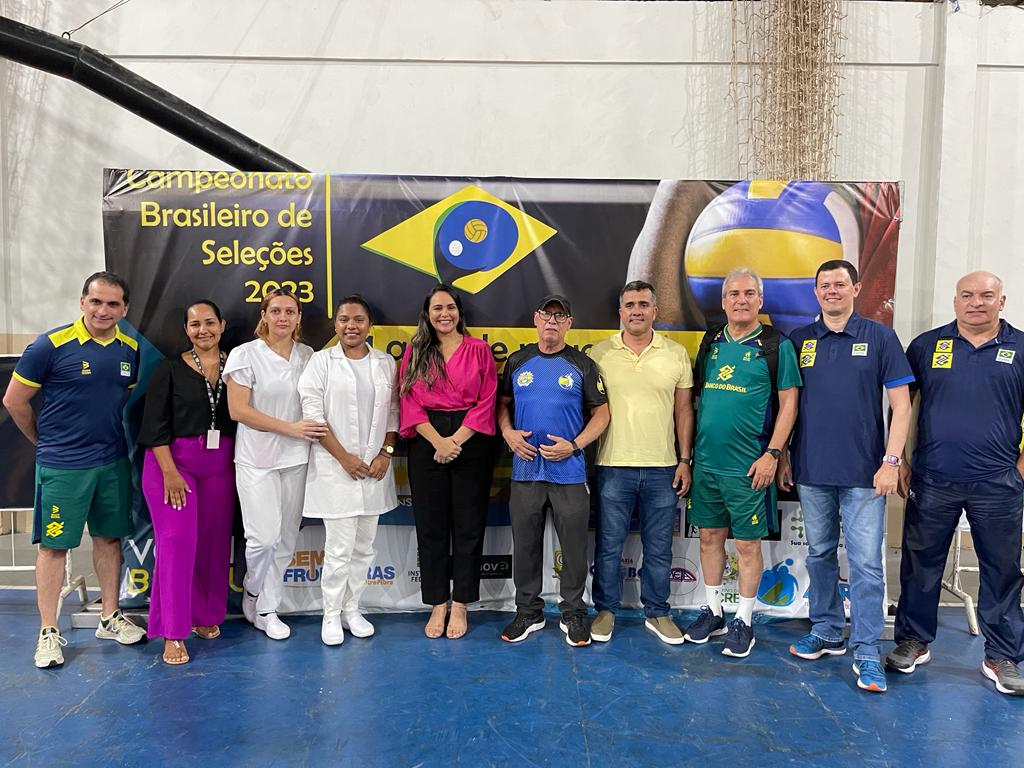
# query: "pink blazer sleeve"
410, 412
481, 417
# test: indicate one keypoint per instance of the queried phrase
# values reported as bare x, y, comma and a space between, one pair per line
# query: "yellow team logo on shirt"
55, 512
524, 379
53, 530
725, 372
565, 381
600, 385
807, 359
86, 371
746, 356
942, 360
809, 345
753, 519
944, 345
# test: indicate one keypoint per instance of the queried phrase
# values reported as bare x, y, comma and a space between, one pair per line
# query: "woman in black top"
188, 481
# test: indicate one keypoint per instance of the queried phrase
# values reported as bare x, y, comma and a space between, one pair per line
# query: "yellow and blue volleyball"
782, 230
475, 235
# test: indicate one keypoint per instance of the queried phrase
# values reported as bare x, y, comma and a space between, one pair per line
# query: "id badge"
212, 439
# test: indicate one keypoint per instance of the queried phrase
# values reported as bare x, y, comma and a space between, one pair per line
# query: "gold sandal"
458, 622
207, 633
435, 630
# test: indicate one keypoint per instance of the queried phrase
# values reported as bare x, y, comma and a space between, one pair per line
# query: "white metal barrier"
953, 584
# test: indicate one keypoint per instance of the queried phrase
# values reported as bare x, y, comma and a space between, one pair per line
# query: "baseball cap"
558, 298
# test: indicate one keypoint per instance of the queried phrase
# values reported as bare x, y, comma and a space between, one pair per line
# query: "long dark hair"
426, 362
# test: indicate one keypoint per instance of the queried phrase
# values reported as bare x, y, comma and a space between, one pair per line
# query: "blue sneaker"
813, 647
870, 676
740, 639
708, 624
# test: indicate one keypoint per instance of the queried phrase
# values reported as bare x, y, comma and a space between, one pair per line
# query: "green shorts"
721, 501
67, 499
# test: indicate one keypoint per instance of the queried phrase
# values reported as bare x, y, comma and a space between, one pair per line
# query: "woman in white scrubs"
271, 452
350, 481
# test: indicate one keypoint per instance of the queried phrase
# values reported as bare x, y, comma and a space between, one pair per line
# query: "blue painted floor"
398, 699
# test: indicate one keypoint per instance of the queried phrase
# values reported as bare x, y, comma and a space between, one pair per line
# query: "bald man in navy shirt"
970, 379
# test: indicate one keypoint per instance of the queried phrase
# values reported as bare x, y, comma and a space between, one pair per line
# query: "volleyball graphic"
475, 230
469, 238
782, 230
473, 235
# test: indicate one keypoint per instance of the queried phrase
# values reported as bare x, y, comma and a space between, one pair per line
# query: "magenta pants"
193, 544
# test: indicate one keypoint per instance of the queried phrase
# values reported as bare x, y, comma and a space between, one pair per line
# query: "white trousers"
348, 554
271, 501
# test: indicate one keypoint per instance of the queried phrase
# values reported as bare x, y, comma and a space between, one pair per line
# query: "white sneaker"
249, 606
356, 623
48, 652
273, 626
331, 631
119, 627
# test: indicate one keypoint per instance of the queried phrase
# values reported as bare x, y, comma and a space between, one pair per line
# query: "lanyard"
213, 396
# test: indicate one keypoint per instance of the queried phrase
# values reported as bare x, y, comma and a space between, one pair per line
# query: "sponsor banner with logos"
231, 236
393, 578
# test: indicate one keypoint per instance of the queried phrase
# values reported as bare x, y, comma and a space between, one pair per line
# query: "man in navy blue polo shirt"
84, 371
552, 405
844, 468
970, 378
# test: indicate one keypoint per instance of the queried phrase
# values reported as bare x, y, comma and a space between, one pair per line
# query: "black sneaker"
521, 627
708, 624
739, 640
574, 625
907, 655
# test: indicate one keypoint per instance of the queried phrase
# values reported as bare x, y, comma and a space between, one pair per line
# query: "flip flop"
207, 633
181, 660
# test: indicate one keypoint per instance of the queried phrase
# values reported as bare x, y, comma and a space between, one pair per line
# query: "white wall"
527, 88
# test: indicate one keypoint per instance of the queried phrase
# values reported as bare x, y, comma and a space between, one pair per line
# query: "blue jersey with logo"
840, 431
552, 395
84, 385
972, 400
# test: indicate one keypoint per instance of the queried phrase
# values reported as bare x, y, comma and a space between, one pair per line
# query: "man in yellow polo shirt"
643, 459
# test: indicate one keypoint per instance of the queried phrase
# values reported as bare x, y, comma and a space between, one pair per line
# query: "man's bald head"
981, 277
978, 301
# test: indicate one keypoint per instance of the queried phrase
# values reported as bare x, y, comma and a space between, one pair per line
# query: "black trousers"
449, 503
994, 508
570, 513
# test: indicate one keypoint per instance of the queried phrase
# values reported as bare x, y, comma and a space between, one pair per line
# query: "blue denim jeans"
620, 491
863, 515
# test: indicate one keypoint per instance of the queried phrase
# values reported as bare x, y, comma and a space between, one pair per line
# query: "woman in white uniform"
350, 481
271, 452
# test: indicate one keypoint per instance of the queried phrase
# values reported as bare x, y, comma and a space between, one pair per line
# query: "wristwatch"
576, 450
892, 461
686, 460
388, 450
773, 452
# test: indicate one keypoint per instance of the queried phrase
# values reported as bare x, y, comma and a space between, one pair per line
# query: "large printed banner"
178, 236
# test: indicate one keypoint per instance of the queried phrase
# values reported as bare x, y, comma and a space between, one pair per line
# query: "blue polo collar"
853, 327
1006, 334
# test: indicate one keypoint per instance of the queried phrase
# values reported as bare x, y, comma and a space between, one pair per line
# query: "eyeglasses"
558, 317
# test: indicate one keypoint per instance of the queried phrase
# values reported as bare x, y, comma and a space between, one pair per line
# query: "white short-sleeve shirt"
274, 383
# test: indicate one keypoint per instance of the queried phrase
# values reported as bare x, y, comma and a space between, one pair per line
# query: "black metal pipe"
104, 76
